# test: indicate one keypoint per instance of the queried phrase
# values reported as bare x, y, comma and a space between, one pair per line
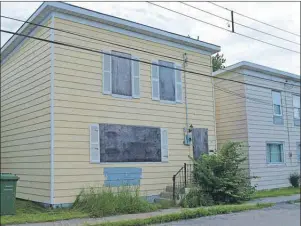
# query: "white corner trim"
127, 32
52, 115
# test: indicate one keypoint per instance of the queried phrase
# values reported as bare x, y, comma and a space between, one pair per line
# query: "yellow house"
95, 100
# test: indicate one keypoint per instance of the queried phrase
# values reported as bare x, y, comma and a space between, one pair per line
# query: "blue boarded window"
122, 176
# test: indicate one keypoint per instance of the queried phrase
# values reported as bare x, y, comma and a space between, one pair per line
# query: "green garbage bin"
8, 193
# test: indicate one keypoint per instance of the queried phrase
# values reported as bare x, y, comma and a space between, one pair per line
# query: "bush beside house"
220, 178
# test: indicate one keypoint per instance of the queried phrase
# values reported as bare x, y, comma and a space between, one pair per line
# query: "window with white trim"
275, 153
111, 143
121, 74
277, 103
166, 81
296, 104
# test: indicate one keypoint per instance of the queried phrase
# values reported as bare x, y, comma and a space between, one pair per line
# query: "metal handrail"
185, 171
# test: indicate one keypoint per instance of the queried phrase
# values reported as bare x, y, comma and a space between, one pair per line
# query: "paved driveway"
279, 215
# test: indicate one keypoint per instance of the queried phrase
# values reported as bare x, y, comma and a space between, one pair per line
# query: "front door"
200, 142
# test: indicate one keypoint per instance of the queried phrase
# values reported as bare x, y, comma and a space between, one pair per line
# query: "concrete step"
166, 195
178, 189
158, 200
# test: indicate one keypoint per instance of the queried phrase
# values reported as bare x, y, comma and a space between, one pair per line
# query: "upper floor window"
166, 82
296, 104
277, 103
121, 75
275, 153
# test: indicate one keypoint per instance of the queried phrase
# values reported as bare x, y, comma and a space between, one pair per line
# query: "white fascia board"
258, 68
46, 8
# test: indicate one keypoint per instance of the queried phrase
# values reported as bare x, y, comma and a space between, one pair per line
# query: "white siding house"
265, 115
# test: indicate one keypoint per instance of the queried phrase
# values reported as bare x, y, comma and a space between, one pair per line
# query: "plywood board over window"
126, 143
121, 74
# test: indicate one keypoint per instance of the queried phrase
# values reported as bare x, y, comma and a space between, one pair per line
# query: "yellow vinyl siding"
230, 111
231, 117
25, 117
79, 102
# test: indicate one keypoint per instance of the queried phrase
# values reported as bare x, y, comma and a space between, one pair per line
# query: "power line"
132, 59
243, 25
104, 41
202, 21
255, 19
248, 98
96, 39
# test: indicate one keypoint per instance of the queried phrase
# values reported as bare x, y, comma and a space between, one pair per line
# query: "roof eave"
257, 68
47, 7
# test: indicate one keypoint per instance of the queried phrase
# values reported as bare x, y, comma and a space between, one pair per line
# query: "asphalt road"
279, 215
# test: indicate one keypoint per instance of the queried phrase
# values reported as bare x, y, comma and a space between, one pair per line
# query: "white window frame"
276, 91
282, 150
163, 146
132, 78
297, 96
175, 65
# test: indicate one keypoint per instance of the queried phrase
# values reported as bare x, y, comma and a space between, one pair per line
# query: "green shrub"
222, 176
295, 180
100, 202
196, 197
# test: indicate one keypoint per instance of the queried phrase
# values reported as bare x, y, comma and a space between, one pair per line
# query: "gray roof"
258, 68
48, 7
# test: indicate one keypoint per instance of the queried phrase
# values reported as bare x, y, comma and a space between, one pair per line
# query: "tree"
218, 62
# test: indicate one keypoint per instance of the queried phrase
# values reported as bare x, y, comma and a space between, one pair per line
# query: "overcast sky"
285, 15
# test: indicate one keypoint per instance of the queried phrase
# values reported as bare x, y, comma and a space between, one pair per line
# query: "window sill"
122, 96
167, 102
275, 164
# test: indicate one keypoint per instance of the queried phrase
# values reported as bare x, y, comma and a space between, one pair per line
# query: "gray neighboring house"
267, 119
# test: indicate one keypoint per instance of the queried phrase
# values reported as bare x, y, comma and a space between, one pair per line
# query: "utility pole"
232, 19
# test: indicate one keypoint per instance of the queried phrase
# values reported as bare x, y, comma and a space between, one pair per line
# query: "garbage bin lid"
8, 176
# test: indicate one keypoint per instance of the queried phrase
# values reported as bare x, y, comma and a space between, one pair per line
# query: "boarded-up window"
167, 81
121, 74
124, 143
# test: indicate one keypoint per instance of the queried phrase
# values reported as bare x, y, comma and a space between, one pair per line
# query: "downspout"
52, 115
247, 132
287, 125
185, 62
186, 104
213, 98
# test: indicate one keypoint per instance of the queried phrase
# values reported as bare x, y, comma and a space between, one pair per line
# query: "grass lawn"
276, 192
31, 212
